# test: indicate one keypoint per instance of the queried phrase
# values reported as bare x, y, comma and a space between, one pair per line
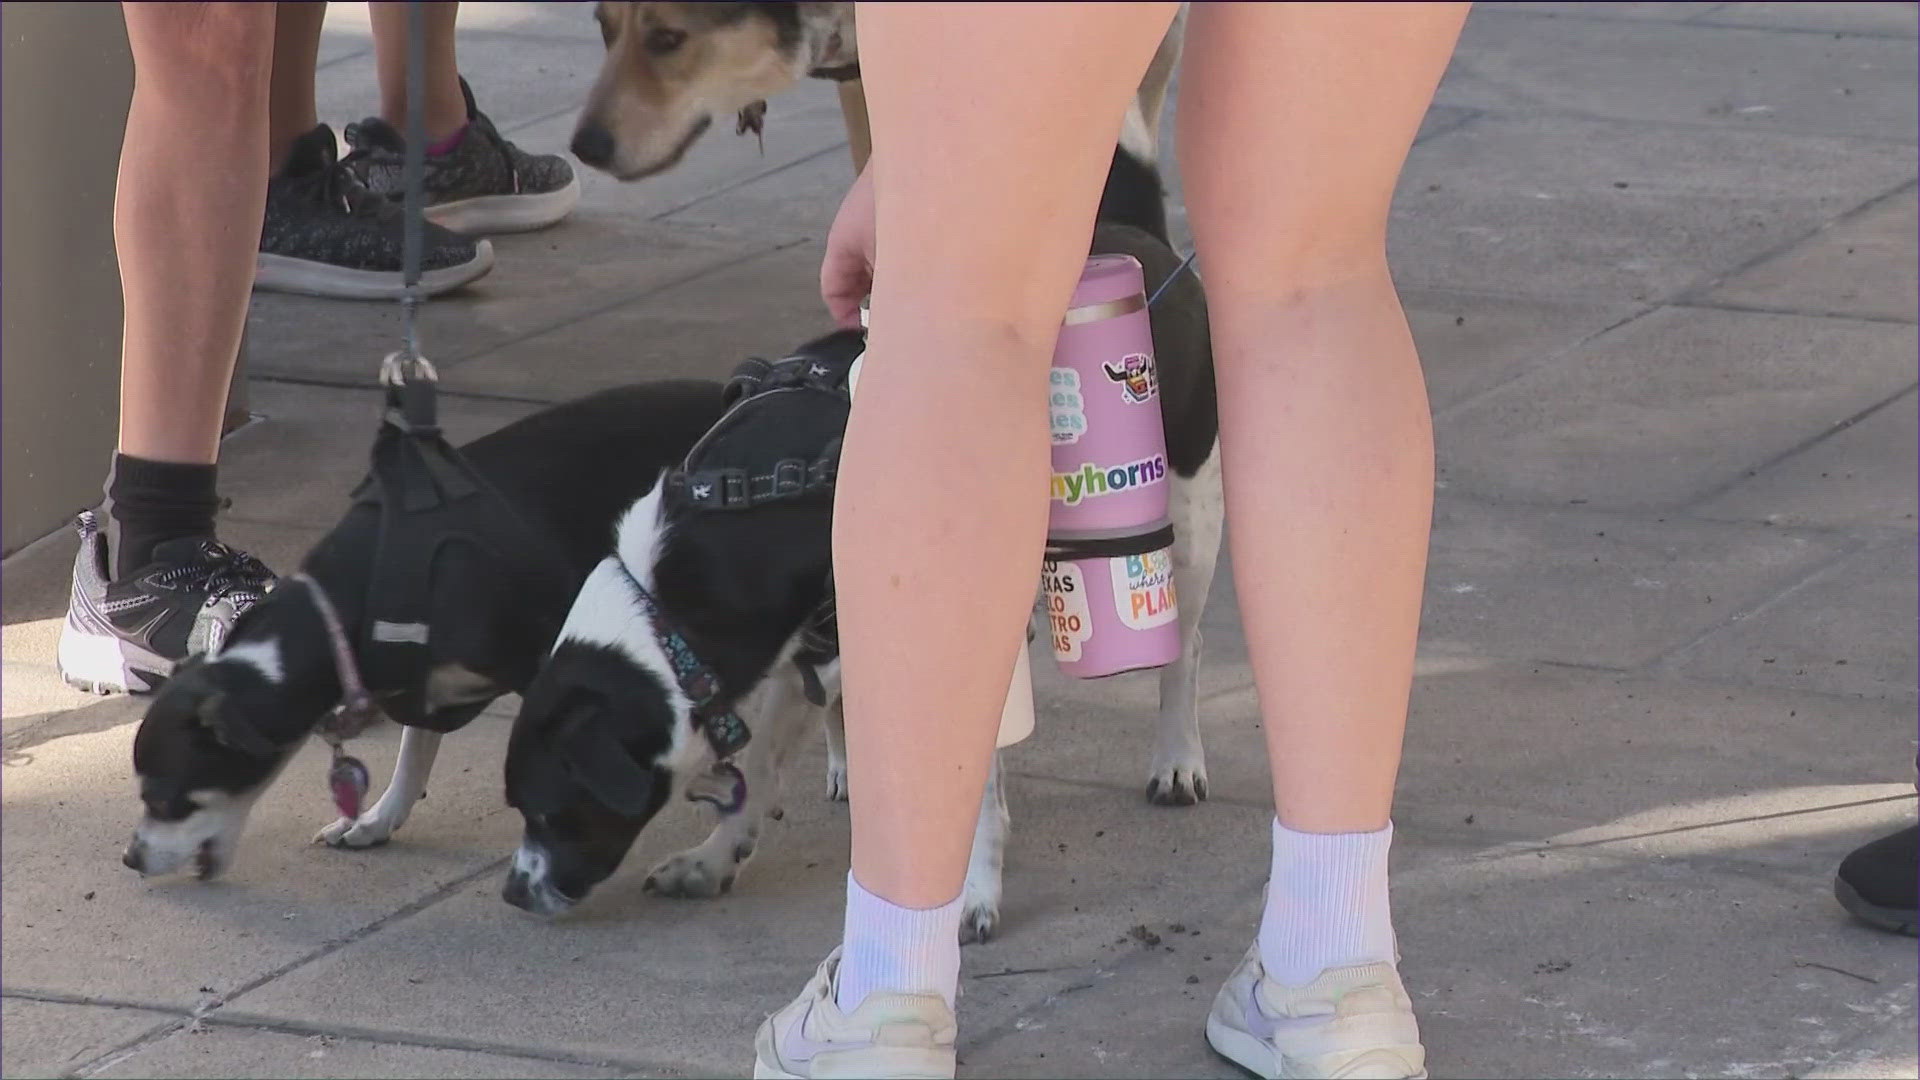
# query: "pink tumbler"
1108, 587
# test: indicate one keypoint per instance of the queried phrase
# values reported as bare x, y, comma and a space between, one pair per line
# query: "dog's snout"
517, 891
528, 887
593, 144
135, 857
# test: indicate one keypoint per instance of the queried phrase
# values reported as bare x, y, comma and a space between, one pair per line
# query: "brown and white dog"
672, 69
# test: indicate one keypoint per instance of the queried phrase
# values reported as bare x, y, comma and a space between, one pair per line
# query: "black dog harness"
430, 500
700, 486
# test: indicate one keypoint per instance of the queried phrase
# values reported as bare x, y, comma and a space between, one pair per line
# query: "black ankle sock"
152, 502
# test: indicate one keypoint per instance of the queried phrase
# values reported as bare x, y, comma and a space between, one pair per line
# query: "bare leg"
446, 106
964, 321
1295, 121
1325, 431
186, 237
296, 56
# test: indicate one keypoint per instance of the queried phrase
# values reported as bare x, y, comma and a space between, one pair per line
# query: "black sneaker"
1878, 882
483, 185
325, 234
125, 636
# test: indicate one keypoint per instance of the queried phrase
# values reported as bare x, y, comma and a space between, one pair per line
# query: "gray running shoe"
325, 234
484, 185
125, 636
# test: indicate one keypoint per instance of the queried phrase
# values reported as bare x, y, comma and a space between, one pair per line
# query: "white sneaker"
1351, 1022
904, 1036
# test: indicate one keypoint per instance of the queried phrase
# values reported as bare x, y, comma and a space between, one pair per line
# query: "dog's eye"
662, 40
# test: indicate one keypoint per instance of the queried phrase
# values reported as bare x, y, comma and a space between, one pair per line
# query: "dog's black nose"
133, 858
516, 891
593, 144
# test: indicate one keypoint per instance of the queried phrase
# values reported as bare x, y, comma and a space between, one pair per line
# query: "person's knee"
202, 51
1292, 253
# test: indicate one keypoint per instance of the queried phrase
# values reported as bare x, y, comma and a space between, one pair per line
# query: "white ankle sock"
1326, 903
886, 947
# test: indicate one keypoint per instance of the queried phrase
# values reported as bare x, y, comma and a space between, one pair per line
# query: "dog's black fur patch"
1133, 221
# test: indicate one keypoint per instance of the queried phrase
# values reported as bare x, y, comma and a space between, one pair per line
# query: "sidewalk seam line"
110, 1058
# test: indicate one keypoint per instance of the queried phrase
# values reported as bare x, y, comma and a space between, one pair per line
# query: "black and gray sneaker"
325, 234
1879, 883
483, 185
125, 636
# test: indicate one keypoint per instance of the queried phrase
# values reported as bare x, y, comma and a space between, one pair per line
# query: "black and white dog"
671, 69
224, 725
607, 733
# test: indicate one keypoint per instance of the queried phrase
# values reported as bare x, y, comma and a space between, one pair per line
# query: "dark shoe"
1878, 882
125, 636
483, 185
325, 234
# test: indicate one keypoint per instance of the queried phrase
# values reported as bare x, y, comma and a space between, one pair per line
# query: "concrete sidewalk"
1660, 259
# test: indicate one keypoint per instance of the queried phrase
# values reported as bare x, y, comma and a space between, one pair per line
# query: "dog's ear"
212, 713
595, 757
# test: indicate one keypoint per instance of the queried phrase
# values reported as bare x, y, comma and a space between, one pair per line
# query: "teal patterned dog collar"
724, 730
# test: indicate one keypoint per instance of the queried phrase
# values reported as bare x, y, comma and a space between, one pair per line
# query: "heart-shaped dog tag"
348, 780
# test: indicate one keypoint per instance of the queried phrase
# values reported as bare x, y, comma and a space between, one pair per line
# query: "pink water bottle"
1107, 585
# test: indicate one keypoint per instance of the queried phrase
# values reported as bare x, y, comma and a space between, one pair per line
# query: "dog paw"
1177, 785
836, 783
692, 875
351, 833
978, 921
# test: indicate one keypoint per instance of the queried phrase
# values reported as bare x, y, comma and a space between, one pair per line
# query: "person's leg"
291, 111
1295, 120
185, 239
984, 211
446, 106
477, 182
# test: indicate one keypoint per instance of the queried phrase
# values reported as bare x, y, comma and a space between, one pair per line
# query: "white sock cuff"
886, 947
1327, 903
1354, 852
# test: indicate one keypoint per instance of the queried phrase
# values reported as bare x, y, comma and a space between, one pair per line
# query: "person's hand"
846, 273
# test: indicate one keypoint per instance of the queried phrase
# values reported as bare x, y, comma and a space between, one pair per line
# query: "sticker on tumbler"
1136, 376
1069, 623
1143, 589
1067, 410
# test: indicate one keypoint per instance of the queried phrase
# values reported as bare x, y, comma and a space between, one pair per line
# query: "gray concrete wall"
67, 80
64, 87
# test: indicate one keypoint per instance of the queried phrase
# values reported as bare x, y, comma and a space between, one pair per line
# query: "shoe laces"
227, 573
338, 185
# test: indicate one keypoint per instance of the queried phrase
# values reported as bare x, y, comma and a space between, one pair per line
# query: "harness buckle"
822, 474
789, 478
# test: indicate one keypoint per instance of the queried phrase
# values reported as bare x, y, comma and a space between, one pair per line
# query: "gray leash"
408, 361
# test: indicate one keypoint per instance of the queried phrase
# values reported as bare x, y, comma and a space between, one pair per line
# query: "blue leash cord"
1171, 278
